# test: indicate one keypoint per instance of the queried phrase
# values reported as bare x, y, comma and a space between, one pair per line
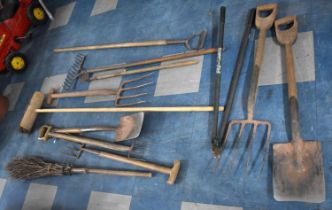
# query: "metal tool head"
44, 132
74, 72
200, 43
298, 173
252, 136
130, 127
265, 21
286, 30
123, 88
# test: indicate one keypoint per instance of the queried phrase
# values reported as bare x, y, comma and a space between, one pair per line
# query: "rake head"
253, 124
73, 73
123, 88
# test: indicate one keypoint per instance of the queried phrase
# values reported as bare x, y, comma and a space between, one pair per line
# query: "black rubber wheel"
36, 14
16, 62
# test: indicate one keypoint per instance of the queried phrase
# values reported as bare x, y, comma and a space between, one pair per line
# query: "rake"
75, 69
263, 24
118, 93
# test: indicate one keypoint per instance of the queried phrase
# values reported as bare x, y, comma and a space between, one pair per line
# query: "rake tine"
250, 144
235, 144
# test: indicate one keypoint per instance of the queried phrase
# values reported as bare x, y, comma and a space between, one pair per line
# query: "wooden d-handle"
264, 23
286, 36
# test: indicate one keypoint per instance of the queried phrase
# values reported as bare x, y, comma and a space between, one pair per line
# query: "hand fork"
105, 92
263, 24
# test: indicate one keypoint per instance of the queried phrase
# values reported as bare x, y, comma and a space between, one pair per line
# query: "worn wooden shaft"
111, 172
153, 60
85, 93
292, 94
131, 161
81, 130
147, 69
90, 141
260, 47
112, 46
133, 109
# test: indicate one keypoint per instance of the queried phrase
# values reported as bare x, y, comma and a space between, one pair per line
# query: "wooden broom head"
30, 114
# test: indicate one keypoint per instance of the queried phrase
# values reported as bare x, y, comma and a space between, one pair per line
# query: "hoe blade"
298, 176
130, 126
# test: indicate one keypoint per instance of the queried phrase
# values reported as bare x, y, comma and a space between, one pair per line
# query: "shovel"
129, 128
298, 173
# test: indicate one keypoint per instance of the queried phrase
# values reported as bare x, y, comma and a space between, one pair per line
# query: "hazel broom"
36, 167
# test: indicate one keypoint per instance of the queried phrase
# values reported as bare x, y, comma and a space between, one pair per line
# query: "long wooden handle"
172, 172
133, 109
112, 46
111, 172
147, 69
153, 60
98, 92
90, 141
81, 130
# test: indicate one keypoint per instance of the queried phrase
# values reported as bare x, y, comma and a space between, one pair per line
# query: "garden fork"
263, 24
106, 92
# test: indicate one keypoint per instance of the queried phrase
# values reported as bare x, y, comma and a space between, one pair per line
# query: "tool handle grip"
221, 27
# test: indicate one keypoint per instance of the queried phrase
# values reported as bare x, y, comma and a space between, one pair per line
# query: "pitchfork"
263, 24
105, 92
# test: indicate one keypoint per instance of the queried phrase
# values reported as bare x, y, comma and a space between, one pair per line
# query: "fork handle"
255, 74
97, 92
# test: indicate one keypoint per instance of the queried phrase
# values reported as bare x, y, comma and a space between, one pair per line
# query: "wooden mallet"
37, 99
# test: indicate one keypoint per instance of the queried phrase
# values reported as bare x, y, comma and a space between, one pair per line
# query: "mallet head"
30, 114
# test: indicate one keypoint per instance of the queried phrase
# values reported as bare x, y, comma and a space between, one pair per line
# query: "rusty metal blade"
298, 176
130, 127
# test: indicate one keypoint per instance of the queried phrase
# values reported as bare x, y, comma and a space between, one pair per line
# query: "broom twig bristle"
34, 167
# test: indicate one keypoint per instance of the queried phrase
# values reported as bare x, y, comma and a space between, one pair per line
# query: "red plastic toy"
17, 17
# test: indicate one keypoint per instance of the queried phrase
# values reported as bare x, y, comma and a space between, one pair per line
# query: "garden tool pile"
298, 172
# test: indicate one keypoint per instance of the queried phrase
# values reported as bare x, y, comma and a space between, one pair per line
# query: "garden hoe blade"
130, 127
298, 173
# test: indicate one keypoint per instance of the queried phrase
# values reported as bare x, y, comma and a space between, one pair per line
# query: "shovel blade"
298, 176
130, 127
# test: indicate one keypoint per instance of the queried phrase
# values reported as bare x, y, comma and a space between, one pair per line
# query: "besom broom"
36, 167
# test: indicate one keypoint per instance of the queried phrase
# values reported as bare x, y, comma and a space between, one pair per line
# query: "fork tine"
236, 143
266, 147
131, 96
250, 143
135, 79
136, 87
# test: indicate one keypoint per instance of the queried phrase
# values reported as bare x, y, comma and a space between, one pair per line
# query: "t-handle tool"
214, 140
298, 172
